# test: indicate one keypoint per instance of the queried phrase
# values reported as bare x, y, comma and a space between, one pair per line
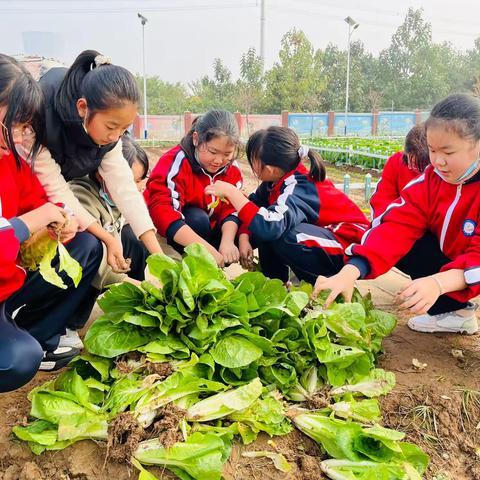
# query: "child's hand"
341, 283
115, 257
246, 252
220, 189
420, 295
65, 232
218, 258
229, 252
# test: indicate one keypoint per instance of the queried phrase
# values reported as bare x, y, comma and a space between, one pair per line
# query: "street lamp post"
352, 25
144, 20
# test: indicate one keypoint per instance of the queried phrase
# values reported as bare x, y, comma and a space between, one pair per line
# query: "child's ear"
195, 139
82, 107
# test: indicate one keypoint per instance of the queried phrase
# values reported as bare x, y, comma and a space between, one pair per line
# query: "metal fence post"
368, 186
346, 184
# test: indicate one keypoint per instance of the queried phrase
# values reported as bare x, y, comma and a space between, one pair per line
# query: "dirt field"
437, 406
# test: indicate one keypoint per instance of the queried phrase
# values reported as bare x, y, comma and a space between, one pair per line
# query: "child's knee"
20, 360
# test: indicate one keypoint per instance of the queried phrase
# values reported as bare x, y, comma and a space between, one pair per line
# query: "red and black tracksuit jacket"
427, 203
20, 192
395, 175
177, 182
296, 198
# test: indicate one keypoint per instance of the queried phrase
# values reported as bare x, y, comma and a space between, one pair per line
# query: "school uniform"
448, 215
395, 175
45, 309
175, 197
302, 224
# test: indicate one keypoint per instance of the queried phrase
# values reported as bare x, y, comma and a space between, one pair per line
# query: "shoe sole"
72, 345
51, 366
442, 330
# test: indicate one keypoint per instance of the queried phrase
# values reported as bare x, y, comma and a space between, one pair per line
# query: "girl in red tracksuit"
401, 168
42, 310
297, 218
445, 201
175, 194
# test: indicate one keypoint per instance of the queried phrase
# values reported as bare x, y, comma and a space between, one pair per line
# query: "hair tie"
99, 61
303, 151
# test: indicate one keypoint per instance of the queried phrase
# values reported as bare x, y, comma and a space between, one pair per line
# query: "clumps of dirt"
124, 435
163, 370
443, 423
317, 401
301, 452
167, 428
128, 363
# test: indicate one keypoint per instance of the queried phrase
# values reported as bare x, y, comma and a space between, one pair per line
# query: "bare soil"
437, 406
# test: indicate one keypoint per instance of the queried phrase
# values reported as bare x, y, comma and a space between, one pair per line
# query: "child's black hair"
102, 84
416, 147
133, 152
22, 97
279, 147
213, 124
459, 113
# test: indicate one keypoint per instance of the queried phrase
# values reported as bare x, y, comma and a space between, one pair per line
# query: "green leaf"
225, 403
69, 265
47, 271
264, 415
367, 470
107, 339
121, 298
234, 351
144, 474
378, 382
87, 365
39, 431
201, 456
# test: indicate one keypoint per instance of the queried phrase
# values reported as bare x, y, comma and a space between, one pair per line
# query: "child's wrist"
441, 288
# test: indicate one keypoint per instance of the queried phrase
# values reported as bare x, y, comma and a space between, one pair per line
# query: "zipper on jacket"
448, 216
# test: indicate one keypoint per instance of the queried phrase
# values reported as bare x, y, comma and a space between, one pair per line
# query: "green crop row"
370, 153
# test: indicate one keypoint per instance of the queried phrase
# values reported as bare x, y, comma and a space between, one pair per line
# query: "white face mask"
465, 175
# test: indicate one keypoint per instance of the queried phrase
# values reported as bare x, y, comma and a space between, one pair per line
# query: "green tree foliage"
164, 98
295, 83
413, 72
249, 89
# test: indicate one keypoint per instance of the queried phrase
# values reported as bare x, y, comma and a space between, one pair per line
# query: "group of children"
67, 164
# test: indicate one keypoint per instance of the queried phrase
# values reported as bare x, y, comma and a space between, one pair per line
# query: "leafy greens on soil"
227, 355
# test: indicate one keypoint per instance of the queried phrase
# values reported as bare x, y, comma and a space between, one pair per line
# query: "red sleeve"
11, 276
225, 209
31, 193
393, 234
166, 188
469, 261
387, 188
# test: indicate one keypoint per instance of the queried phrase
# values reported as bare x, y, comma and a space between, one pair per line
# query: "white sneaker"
71, 339
450, 322
59, 358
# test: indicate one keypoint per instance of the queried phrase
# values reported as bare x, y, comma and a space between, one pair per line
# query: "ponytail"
317, 168
93, 77
280, 147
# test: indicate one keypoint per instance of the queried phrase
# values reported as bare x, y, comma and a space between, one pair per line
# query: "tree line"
413, 72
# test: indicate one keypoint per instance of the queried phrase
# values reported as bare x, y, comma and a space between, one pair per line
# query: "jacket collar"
301, 169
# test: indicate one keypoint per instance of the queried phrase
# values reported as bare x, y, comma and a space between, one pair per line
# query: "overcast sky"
184, 36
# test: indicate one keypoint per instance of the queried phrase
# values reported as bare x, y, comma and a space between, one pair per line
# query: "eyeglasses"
22, 134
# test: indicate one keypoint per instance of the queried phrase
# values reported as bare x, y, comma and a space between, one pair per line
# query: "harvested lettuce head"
39, 251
